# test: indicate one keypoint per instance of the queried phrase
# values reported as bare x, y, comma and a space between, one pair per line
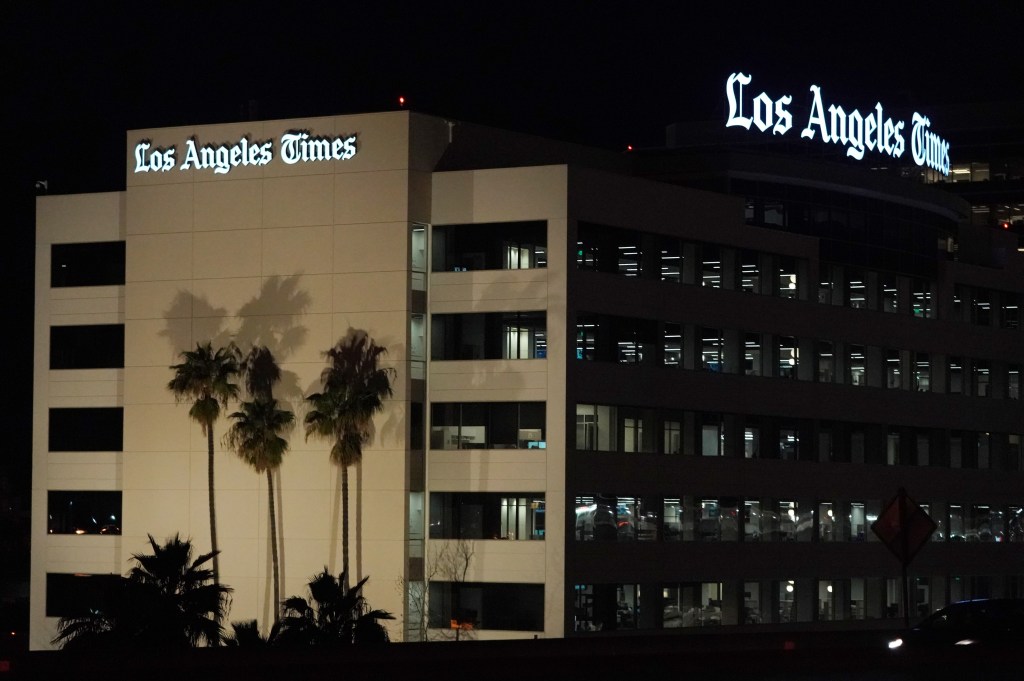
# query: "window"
98, 346
956, 375
856, 288
492, 335
73, 595
83, 512
921, 298
603, 517
825, 351
892, 369
750, 271
88, 264
711, 265
487, 425
711, 434
479, 605
600, 248
922, 372
606, 428
672, 344
789, 356
787, 276
672, 436
711, 346
486, 515
981, 371
691, 604
752, 354
1009, 314
855, 365
890, 292
86, 429
670, 255
490, 246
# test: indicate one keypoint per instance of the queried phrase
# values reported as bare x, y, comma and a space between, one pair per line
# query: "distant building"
648, 406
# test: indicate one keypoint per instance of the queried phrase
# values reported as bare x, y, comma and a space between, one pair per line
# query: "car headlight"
895, 643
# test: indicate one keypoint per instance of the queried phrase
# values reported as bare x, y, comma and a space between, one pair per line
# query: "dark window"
86, 429
99, 346
91, 264
415, 425
509, 607
490, 246
84, 512
73, 595
487, 425
491, 335
486, 515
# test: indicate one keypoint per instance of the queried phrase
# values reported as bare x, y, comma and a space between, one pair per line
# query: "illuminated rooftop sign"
872, 131
296, 146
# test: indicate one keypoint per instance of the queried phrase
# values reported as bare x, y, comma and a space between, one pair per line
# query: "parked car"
995, 622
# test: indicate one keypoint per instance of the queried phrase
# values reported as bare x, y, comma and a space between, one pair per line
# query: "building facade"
621, 404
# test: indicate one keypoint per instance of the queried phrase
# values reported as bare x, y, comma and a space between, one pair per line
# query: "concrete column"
806, 600
650, 606
732, 602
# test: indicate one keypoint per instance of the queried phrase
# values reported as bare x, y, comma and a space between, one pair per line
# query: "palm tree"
353, 390
255, 436
205, 378
167, 600
334, 616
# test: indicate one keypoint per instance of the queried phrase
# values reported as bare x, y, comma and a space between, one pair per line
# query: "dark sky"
77, 75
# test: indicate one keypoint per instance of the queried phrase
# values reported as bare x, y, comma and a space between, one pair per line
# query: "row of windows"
489, 335
486, 515
625, 429
678, 605
478, 605
487, 425
613, 518
986, 307
630, 253
628, 340
489, 246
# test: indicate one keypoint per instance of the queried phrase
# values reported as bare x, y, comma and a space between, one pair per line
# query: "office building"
640, 406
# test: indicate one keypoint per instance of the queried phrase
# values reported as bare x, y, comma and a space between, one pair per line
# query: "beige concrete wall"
69, 219
291, 256
503, 195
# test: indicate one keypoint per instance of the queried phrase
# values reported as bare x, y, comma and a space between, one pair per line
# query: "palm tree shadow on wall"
389, 425
271, 319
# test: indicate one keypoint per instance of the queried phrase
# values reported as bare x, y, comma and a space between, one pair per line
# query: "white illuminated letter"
762, 112
817, 117
191, 155
917, 138
140, 157
736, 117
897, 149
855, 129
783, 119
838, 124
290, 151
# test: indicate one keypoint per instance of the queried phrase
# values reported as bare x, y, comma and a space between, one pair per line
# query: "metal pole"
904, 527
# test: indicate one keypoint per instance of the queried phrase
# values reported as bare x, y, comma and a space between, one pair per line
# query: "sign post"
904, 527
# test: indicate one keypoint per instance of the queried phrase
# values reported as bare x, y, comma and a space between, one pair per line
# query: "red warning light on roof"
629, 147
401, 101
1006, 225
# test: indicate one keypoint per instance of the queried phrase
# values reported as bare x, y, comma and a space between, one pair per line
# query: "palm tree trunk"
213, 508
273, 545
344, 526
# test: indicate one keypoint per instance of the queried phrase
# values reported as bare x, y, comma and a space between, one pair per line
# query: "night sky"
76, 76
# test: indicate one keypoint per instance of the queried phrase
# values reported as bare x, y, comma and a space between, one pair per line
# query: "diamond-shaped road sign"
903, 526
